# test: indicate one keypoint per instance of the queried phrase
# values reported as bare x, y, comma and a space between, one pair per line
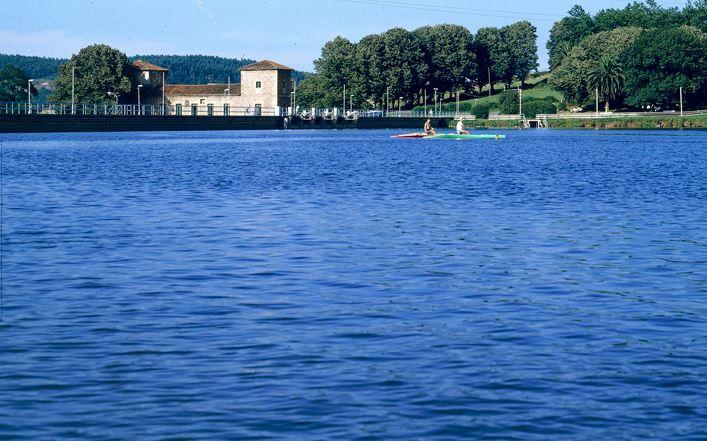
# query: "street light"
400, 106
73, 89
139, 109
29, 95
292, 103
351, 102
435, 106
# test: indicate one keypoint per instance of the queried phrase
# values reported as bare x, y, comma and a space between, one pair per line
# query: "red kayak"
409, 136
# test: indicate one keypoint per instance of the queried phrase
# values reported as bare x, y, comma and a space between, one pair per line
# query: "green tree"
659, 62
369, 80
642, 14
567, 33
695, 14
521, 38
99, 69
449, 50
607, 78
311, 93
335, 67
571, 78
403, 64
493, 54
13, 84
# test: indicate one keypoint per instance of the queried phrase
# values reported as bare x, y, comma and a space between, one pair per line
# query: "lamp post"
435, 102
351, 102
344, 106
116, 99
292, 103
681, 113
596, 107
139, 108
520, 101
387, 100
29, 96
400, 106
73, 89
164, 108
425, 94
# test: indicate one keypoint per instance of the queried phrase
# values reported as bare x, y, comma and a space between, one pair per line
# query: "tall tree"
492, 53
336, 68
521, 38
451, 61
607, 78
658, 63
99, 69
569, 31
13, 84
369, 67
403, 63
571, 77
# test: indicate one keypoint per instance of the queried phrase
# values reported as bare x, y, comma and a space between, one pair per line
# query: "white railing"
25, 108
602, 115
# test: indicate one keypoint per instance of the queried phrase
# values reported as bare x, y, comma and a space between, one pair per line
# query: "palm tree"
608, 77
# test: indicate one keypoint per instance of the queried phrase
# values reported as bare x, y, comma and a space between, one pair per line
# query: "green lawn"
535, 87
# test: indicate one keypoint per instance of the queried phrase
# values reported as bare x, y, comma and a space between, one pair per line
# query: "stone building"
152, 78
265, 86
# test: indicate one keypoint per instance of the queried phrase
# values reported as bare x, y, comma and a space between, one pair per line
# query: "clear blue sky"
290, 32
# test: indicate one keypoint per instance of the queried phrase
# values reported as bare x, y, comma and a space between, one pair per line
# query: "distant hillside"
35, 67
184, 69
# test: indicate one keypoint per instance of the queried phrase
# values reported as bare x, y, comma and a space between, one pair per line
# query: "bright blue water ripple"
324, 284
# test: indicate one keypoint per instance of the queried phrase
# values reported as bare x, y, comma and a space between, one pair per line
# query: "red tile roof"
144, 65
266, 65
202, 89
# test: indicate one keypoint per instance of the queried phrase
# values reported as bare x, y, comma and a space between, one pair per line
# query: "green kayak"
462, 137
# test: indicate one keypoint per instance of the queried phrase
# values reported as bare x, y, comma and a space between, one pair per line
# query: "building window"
178, 109
147, 75
226, 109
258, 109
193, 110
257, 85
202, 101
210, 110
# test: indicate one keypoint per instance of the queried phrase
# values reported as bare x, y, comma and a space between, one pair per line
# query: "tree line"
100, 68
412, 64
637, 57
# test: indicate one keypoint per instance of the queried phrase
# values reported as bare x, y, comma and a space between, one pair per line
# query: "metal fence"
25, 108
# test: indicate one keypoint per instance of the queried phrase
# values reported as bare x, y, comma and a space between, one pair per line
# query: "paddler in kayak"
428, 130
461, 128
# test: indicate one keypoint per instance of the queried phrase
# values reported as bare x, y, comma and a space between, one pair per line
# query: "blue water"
341, 284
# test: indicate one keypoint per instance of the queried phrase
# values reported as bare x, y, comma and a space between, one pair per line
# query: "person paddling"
428, 128
461, 128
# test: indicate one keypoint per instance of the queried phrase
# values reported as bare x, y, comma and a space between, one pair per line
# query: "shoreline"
698, 122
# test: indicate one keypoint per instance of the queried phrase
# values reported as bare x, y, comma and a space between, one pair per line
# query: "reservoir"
323, 284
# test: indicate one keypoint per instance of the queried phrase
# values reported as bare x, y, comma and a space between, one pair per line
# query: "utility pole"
164, 108
596, 91
520, 101
435, 101
344, 107
457, 94
425, 102
29, 96
681, 113
139, 109
73, 90
400, 106
489, 70
351, 102
387, 100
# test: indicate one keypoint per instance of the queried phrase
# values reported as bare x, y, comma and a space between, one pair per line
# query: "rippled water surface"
329, 284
